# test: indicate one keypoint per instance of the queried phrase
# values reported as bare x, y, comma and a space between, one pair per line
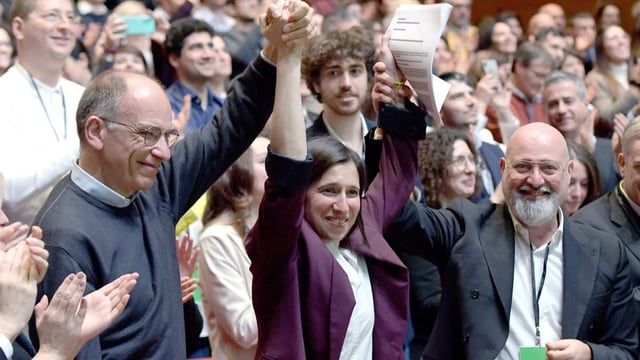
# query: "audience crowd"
250, 179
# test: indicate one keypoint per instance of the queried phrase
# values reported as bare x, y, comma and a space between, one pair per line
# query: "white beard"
535, 212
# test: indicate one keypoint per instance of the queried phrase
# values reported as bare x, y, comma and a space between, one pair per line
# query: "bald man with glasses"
522, 280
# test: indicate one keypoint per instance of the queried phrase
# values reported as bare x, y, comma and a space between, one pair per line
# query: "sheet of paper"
415, 31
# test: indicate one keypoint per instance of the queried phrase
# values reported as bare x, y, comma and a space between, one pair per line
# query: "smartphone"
139, 24
490, 66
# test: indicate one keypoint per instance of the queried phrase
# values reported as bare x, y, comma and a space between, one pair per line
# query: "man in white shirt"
522, 275
38, 137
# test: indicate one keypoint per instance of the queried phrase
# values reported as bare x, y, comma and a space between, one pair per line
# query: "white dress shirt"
38, 139
522, 330
358, 341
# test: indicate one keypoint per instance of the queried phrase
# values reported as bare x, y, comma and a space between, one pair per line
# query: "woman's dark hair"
581, 154
601, 7
232, 192
130, 49
506, 15
434, 155
604, 66
485, 32
327, 151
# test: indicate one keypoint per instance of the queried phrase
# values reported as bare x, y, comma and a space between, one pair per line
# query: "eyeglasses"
547, 168
460, 162
150, 134
55, 16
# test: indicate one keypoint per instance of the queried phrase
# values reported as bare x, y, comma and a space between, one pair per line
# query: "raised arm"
403, 124
287, 124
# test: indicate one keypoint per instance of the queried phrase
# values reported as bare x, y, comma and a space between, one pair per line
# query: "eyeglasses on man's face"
56, 16
546, 168
151, 134
460, 162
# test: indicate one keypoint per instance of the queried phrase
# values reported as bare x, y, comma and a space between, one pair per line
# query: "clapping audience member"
187, 257
39, 106
564, 98
225, 278
583, 30
63, 323
585, 185
531, 65
312, 248
190, 50
615, 77
117, 210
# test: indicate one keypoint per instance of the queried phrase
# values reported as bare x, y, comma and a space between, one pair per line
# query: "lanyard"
64, 109
536, 296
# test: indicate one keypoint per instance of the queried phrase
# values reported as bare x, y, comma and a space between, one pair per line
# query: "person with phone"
131, 23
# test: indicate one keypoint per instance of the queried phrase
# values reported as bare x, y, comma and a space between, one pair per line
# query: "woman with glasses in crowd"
448, 167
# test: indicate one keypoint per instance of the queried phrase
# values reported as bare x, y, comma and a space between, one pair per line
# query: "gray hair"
561, 76
103, 98
631, 134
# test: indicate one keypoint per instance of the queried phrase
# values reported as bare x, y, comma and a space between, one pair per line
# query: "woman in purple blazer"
326, 285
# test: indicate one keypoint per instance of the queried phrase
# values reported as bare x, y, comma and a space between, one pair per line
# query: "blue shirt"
199, 117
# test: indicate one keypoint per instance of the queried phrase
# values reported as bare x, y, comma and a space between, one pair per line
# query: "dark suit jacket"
606, 161
473, 247
613, 214
491, 154
319, 128
373, 148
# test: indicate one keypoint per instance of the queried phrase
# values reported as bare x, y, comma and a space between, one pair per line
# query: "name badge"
533, 353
